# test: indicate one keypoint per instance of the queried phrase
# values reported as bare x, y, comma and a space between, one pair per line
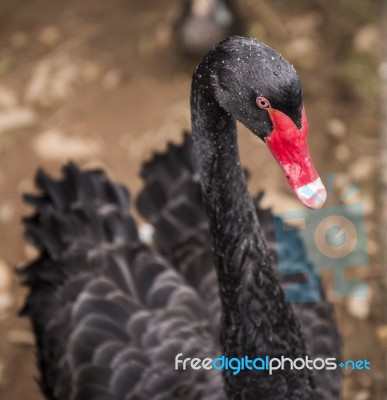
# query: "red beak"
288, 145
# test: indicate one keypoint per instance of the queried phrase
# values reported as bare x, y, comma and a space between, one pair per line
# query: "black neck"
256, 321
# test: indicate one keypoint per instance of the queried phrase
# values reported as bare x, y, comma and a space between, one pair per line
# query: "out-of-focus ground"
99, 82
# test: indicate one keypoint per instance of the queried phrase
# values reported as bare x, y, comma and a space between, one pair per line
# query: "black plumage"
110, 314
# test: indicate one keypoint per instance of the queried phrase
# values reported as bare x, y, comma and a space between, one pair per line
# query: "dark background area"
100, 82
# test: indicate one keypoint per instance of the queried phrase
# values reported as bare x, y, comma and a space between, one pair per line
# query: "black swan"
204, 23
110, 314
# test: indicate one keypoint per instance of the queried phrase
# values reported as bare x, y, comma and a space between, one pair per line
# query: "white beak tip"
312, 195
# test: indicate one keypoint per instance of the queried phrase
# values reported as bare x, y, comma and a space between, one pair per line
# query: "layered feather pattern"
110, 314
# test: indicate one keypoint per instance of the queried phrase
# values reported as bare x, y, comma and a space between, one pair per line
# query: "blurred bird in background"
204, 23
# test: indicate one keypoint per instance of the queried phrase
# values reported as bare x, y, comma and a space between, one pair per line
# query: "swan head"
262, 90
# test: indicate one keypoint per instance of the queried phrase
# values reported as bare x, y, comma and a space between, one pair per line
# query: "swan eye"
262, 102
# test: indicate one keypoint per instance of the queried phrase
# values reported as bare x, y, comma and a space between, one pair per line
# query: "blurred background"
106, 83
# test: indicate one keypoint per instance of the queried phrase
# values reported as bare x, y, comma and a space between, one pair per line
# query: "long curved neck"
256, 321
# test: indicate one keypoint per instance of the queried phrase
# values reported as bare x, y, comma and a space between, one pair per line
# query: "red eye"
262, 102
